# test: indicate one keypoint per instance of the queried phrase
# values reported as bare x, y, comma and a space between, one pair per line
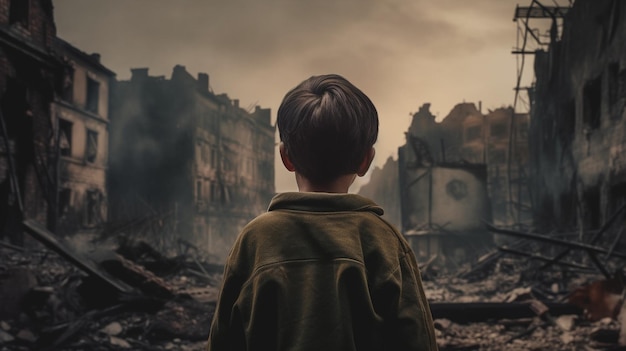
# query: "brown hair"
327, 126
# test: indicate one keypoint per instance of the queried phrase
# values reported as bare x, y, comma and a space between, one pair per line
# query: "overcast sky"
401, 53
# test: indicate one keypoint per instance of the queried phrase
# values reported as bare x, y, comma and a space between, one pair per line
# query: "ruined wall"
577, 132
464, 136
488, 139
27, 82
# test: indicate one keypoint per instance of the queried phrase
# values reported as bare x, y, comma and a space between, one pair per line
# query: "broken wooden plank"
40, 233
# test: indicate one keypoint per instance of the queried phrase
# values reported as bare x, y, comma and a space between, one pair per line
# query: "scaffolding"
530, 39
525, 46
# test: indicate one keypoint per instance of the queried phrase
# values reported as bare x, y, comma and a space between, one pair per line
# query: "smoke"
400, 53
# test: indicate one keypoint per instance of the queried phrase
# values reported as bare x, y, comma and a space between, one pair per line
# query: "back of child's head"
327, 126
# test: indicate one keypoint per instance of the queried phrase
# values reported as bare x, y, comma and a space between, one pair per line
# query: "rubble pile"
126, 294
509, 311
49, 304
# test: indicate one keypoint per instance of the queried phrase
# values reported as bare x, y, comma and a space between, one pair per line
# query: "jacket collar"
323, 202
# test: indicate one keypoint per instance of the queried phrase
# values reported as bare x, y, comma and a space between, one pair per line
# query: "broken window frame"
65, 128
497, 156
213, 157
199, 194
19, 12
498, 130
473, 133
68, 84
592, 103
522, 131
93, 206
214, 192
91, 148
64, 201
92, 100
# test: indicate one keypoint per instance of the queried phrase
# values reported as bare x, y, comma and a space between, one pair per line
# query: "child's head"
327, 127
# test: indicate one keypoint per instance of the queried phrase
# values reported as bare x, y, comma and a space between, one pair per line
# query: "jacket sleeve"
410, 325
226, 332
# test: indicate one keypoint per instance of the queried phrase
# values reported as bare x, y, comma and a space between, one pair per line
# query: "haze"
400, 53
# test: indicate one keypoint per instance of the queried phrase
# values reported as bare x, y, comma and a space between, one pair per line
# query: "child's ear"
366, 163
285, 158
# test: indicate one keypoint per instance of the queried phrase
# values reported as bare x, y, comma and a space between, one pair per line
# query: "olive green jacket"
321, 271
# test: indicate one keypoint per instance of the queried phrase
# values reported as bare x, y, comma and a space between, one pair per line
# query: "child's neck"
340, 184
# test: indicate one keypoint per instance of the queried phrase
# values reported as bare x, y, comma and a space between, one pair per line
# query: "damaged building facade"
192, 158
81, 122
471, 164
498, 139
27, 88
578, 119
54, 130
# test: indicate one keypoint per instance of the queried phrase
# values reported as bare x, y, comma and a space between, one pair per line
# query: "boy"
321, 270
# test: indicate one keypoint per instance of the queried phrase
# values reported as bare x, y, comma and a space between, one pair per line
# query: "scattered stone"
26, 335
5, 337
114, 328
520, 294
115, 341
566, 322
5, 326
566, 338
605, 321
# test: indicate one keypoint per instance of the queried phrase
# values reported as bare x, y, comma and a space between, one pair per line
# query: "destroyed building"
498, 139
578, 119
27, 86
81, 123
195, 160
54, 125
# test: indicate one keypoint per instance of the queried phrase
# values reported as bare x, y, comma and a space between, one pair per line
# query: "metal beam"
540, 12
551, 240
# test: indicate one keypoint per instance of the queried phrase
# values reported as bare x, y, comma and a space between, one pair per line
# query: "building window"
199, 190
91, 152
65, 137
93, 95
522, 132
65, 197
497, 156
214, 191
18, 12
68, 84
93, 207
498, 130
472, 133
592, 98
213, 158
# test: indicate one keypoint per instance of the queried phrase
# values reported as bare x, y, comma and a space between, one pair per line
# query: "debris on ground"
129, 296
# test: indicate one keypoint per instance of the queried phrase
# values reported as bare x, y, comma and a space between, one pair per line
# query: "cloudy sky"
400, 53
